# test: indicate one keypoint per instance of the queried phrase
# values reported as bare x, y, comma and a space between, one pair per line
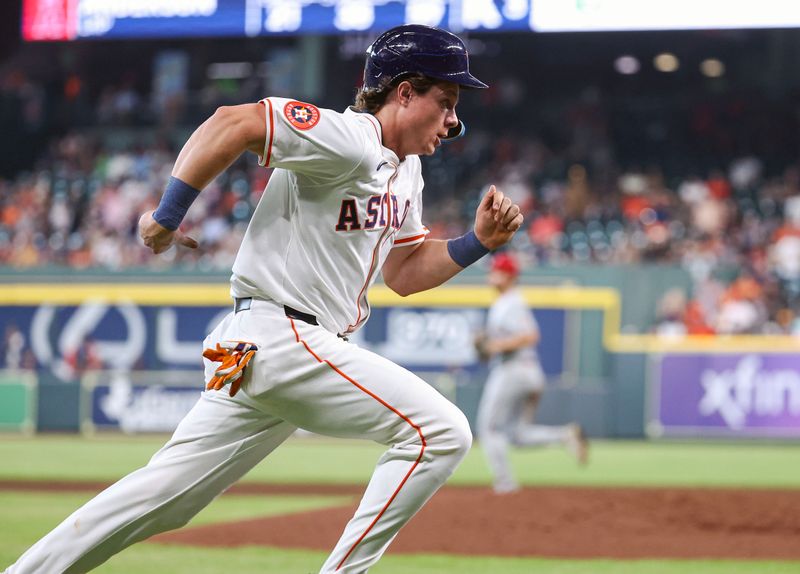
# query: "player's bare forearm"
217, 143
209, 151
427, 265
418, 268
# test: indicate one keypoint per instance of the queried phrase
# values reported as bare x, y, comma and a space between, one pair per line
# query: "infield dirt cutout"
548, 521
569, 522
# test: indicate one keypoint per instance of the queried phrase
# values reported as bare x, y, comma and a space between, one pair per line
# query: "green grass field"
26, 515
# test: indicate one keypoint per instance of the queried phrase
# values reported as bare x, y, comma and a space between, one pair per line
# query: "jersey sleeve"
412, 231
309, 140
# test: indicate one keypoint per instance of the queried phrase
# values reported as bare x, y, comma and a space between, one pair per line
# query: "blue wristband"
175, 202
467, 249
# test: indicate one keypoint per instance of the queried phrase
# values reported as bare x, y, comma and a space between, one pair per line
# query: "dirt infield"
542, 521
559, 522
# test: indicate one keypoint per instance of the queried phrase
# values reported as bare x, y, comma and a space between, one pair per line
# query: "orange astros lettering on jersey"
301, 115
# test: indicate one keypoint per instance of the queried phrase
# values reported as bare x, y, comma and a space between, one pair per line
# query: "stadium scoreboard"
60, 20
76, 19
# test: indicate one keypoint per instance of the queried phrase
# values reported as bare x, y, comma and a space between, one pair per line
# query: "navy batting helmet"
416, 49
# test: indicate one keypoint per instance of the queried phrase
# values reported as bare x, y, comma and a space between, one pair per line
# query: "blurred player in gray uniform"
516, 381
343, 204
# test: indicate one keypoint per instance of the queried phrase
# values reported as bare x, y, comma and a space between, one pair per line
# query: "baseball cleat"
578, 443
506, 487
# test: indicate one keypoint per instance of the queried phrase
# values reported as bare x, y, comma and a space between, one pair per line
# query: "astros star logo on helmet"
301, 115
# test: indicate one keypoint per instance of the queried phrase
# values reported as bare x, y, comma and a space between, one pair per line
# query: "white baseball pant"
302, 376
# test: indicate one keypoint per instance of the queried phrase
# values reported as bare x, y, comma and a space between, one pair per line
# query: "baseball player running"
516, 381
343, 203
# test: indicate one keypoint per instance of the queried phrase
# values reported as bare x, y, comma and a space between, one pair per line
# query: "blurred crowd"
80, 208
736, 231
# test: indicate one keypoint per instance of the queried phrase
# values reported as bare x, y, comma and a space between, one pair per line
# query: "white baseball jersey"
509, 315
336, 204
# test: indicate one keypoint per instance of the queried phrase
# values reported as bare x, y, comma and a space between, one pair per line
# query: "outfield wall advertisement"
140, 362
139, 408
129, 336
735, 395
17, 401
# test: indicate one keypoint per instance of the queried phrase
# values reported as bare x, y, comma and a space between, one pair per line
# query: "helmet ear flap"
455, 132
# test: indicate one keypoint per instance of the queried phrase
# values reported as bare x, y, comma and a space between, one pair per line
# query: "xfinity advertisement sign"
736, 395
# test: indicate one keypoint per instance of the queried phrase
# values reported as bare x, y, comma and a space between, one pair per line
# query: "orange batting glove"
234, 356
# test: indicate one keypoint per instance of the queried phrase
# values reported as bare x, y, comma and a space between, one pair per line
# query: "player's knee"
465, 432
448, 447
458, 433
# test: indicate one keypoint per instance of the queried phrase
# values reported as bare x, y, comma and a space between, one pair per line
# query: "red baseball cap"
506, 263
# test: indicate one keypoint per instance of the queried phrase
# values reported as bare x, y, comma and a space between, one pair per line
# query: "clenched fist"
159, 238
497, 219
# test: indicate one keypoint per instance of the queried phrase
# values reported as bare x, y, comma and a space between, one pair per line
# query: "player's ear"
404, 92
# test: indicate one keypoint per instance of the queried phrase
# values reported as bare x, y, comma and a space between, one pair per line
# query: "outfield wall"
147, 337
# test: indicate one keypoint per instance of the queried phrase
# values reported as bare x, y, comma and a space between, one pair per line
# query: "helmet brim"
471, 82
463, 79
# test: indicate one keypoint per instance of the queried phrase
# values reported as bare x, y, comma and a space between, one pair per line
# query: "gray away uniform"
513, 377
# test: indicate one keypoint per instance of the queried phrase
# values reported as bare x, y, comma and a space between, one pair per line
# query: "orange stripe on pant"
388, 406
